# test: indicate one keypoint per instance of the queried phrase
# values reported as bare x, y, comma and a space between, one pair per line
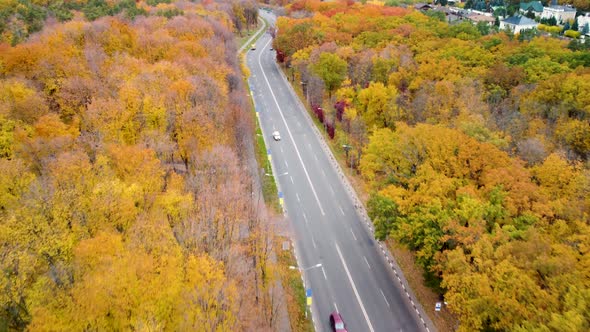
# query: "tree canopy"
125, 200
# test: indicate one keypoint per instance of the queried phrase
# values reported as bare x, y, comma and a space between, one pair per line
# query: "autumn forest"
474, 147
125, 200
127, 143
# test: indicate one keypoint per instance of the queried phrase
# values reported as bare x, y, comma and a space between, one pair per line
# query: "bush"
340, 106
572, 34
331, 130
551, 29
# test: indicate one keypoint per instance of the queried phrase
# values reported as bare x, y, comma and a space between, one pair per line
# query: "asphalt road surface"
354, 278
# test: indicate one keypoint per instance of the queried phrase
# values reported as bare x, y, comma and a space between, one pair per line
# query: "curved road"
354, 278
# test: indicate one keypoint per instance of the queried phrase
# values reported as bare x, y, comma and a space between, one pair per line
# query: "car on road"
336, 322
276, 135
253, 47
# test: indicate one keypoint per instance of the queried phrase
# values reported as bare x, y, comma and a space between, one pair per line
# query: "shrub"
572, 34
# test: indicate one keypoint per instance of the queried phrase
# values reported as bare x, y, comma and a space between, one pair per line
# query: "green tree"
483, 28
383, 212
331, 69
95, 9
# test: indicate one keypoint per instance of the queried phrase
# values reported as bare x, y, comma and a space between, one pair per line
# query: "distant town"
558, 20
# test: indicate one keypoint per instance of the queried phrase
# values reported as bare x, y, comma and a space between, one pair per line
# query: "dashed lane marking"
354, 236
290, 135
356, 293
385, 298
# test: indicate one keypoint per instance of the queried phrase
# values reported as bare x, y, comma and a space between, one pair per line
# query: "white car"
276, 135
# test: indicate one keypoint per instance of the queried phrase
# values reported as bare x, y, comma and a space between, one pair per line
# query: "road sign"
309, 301
437, 306
308, 292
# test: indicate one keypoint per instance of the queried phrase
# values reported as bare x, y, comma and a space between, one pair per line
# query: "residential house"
476, 18
536, 7
561, 13
423, 6
518, 23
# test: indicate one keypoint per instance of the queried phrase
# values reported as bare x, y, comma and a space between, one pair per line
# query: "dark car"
337, 323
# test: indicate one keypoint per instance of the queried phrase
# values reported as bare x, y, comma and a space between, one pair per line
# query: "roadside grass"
269, 187
293, 286
247, 34
444, 320
406, 259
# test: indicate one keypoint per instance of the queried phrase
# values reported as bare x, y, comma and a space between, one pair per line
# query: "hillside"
474, 145
125, 200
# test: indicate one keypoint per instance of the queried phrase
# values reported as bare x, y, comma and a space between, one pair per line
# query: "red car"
337, 323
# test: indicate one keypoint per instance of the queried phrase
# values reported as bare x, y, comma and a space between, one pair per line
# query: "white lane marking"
356, 293
282, 150
316, 159
324, 173
332, 190
298, 200
288, 130
335, 306
385, 298
354, 236
291, 180
305, 217
286, 164
341, 211
324, 272
313, 241
366, 261
309, 145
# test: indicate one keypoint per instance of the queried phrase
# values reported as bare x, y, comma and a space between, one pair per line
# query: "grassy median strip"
294, 292
269, 187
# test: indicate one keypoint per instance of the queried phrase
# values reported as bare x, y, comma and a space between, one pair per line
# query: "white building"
518, 23
583, 20
561, 13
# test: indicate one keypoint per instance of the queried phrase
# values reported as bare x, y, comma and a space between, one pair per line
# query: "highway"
354, 278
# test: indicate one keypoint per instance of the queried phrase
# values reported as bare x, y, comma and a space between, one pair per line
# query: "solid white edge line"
356, 293
288, 130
